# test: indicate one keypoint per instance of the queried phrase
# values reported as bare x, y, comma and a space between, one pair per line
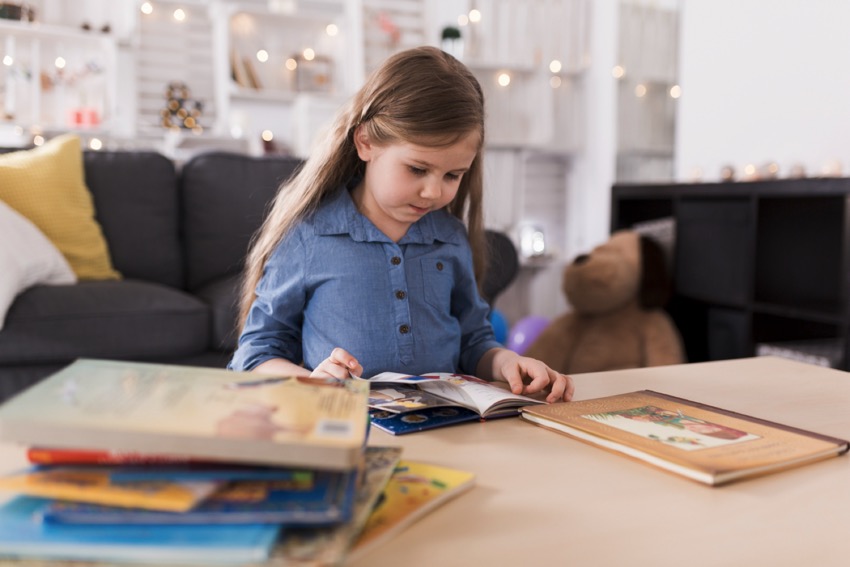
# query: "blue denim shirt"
337, 281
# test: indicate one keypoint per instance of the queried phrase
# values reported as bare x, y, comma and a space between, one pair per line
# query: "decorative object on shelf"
390, 28
17, 11
181, 111
532, 242
313, 75
797, 171
452, 42
769, 170
727, 173
832, 168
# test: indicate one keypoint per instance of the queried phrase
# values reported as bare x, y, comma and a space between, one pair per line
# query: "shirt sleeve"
274, 322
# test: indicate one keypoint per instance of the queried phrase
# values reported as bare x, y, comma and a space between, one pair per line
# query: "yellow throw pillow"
47, 185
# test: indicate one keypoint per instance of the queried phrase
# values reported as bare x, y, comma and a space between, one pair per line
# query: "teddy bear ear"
656, 286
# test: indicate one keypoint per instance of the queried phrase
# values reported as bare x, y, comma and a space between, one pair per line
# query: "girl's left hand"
340, 364
516, 370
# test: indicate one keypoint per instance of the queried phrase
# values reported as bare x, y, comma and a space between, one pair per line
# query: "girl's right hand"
340, 364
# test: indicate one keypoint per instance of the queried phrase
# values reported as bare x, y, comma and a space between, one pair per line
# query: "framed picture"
314, 75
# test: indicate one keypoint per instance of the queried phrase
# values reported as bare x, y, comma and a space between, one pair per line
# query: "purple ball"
525, 331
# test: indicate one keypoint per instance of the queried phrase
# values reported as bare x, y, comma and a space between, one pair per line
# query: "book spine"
43, 456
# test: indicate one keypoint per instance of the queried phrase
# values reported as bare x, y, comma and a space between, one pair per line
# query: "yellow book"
95, 486
414, 489
700, 442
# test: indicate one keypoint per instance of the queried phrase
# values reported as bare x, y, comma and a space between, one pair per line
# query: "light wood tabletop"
544, 499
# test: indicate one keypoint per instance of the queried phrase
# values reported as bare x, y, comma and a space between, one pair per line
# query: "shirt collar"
339, 215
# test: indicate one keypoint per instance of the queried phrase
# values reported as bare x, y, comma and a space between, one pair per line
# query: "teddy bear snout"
581, 259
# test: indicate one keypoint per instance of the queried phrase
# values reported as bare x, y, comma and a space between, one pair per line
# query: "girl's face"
404, 182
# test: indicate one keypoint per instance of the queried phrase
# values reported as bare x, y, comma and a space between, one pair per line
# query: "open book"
703, 443
403, 403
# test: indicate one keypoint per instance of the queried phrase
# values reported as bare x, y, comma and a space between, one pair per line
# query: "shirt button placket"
401, 309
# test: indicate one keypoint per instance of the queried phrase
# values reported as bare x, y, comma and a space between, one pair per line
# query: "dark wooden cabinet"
753, 262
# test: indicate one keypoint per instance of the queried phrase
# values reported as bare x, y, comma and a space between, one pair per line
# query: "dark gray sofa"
179, 240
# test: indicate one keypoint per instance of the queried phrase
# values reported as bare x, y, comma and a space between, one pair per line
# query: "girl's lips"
420, 210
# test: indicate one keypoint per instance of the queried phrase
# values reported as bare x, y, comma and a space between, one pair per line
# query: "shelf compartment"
713, 249
799, 244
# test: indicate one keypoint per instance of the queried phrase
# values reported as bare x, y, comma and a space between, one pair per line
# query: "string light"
332, 30
555, 81
267, 135
95, 144
309, 54
675, 91
474, 16
262, 55
640, 90
59, 62
291, 64
180, 14
8, 60
555, 66
504, 79
146, 8
463, 20
38, 140
618, 71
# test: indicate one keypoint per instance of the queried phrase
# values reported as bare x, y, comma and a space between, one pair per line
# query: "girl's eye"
452, 176
416, 170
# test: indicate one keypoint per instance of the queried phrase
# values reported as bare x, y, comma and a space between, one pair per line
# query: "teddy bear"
617, 292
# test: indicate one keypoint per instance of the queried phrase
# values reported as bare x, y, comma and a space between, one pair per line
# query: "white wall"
763, 80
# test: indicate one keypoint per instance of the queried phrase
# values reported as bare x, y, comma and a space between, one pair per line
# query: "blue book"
24, 535
327, 498
421, 420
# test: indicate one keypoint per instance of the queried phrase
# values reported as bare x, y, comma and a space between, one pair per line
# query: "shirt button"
400, 294
404, 329
395, 261
440, 266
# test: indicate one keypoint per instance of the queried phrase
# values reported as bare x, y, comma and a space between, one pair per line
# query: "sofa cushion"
222, 296
225, 197
137, 204
28, 258
105, 319
47, 186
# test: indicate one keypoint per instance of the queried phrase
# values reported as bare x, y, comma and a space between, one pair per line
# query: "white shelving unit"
55, 78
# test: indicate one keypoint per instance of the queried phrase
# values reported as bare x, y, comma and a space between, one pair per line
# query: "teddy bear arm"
663, 344
554, 345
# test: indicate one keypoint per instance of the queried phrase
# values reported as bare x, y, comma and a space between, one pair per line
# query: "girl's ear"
362, 143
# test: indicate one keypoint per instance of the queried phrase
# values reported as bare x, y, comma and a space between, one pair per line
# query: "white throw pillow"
27, 258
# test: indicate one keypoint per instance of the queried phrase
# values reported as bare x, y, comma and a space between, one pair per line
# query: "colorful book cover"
319, 498
193, 412
97, 486
414, 489
703, 443
325, 547
23, 535
57, 456
421, 420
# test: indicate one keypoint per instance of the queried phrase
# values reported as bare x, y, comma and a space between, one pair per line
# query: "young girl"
365, 262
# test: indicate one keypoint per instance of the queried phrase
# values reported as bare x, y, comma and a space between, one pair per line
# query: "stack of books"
152, 463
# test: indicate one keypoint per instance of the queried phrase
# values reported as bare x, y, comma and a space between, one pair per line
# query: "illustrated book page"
704, 443
193, 412
485, 398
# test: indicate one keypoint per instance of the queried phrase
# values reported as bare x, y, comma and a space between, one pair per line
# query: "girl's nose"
431, 189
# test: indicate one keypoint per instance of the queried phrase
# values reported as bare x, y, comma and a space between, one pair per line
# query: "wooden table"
544, 499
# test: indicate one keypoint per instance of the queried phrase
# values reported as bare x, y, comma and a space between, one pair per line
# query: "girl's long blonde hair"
422, 96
